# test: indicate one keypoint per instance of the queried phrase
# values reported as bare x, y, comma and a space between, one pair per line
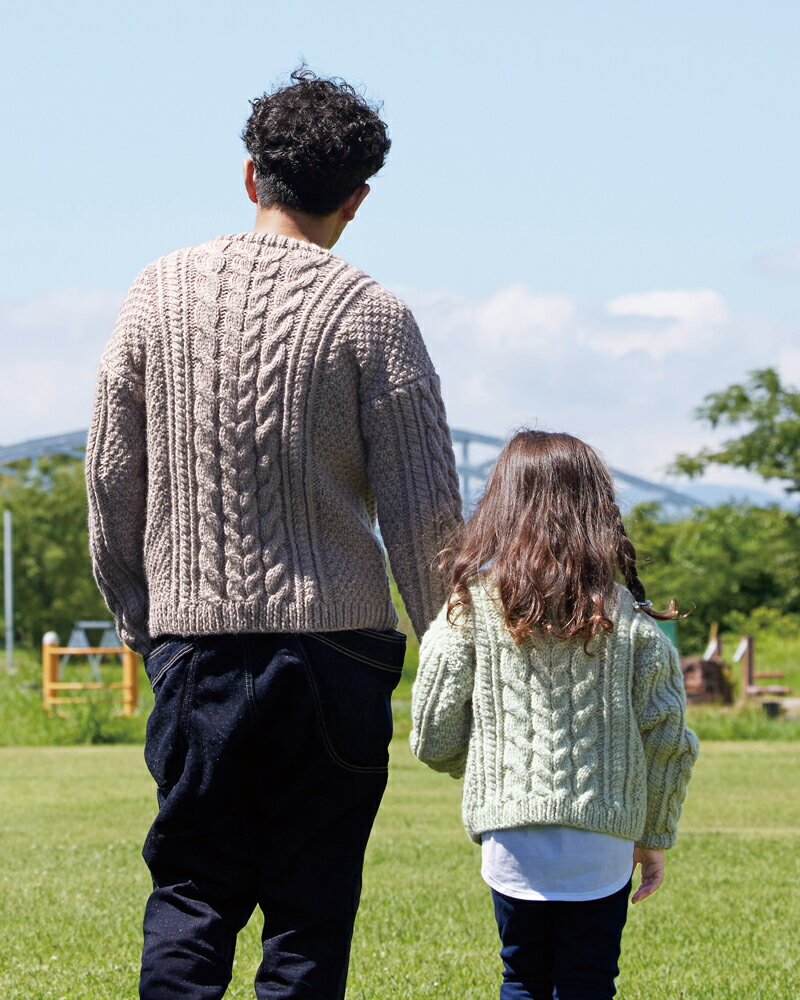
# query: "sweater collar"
275, 240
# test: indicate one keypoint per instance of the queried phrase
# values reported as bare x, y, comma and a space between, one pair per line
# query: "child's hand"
652, 871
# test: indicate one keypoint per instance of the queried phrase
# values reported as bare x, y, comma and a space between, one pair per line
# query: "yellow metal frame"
51, 685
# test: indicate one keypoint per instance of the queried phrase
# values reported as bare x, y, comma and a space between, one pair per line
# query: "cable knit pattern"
271, 383
584, 711
560, 726
258, 403
238, 269
251, 379
515, 699
523, 724
207, 314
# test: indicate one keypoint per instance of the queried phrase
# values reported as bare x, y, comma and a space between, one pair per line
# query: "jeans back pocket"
166, 654
352, 676
167, 668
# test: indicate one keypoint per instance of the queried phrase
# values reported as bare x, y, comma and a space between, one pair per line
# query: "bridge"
630, 489
475, 456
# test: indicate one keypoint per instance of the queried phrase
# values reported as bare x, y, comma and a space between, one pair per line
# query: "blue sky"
592, 207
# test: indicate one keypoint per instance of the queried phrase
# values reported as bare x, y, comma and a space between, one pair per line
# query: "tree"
53, 580
771, 448
727, 561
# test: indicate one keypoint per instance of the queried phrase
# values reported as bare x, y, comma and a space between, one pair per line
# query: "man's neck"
324, 230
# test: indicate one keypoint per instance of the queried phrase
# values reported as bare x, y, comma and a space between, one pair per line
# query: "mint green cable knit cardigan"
544, 734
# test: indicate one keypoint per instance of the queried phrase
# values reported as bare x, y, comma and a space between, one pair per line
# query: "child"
552, 691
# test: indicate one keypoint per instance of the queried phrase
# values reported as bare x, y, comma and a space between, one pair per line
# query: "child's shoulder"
643, 630
485, 605
482, 611
483, 591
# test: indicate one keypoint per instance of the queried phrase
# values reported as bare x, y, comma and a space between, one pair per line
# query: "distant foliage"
771, 446
52, 571
729, 561
766, 621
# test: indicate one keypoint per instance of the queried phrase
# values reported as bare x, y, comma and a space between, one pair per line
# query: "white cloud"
661, 322
782, 261
789, 365
626, 375
50, 350
517, 319
700, 307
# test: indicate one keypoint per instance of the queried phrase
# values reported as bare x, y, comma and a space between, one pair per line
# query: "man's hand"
652, 871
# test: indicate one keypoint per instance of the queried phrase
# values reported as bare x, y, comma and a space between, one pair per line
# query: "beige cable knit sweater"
258, 403
545, 734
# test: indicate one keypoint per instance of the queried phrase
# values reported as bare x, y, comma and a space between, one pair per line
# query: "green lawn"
723, 927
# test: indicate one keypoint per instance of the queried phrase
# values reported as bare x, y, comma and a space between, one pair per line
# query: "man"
258, 403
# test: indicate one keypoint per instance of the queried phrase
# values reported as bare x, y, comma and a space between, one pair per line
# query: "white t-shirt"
555, 863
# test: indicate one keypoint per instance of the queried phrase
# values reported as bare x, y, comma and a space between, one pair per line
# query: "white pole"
8, 586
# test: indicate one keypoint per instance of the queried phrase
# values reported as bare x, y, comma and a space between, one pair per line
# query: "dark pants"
270, 753
566, 951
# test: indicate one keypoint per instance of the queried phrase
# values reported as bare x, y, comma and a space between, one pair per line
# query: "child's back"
561, 702
546, 734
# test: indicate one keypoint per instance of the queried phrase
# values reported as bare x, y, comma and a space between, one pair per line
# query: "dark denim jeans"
270, 753
559, 950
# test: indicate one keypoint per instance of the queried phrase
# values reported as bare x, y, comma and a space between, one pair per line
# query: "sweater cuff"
657, 842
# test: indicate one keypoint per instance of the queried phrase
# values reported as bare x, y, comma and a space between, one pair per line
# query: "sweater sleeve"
116, 474
410, 461
441, 699
670, 747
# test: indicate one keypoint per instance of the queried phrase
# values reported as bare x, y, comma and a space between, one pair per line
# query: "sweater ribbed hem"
205, 618
628, 823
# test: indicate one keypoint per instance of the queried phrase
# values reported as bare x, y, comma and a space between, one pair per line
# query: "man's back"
278, 394
259, 403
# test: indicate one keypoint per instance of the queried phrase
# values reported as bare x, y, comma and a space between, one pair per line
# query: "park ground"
723, 927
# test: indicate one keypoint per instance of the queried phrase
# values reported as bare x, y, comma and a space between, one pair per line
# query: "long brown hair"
549, 533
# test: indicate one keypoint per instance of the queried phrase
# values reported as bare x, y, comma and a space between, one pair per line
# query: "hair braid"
626, 557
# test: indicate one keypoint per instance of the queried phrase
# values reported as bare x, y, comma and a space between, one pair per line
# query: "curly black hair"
313, 143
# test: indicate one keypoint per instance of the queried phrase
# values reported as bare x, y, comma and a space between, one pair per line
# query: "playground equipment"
746, 654
706, 678
55, 657
79, 638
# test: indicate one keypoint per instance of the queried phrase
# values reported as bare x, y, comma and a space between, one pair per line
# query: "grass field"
723, 927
